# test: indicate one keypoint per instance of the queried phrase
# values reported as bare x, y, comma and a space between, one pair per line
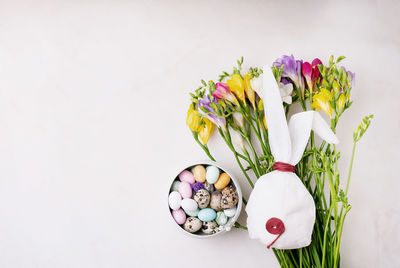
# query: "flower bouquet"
249, 110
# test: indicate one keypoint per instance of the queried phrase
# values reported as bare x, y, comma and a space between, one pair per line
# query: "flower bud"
341, 103
249, 91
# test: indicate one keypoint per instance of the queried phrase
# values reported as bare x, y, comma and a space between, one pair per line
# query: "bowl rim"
232, 221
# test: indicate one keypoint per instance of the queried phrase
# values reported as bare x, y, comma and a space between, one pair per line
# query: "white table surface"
93, 100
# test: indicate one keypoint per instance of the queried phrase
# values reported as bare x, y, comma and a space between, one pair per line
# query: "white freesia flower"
257, 84
286, 92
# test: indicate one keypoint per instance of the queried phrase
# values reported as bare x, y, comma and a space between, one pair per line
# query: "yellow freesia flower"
193, 118
249, 91
236, 85
265, 122
261, 105
327, 94
205, 130
341, 102
320, 101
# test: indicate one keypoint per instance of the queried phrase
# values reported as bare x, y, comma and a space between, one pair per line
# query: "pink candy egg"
185, 190
187, 176
179, 216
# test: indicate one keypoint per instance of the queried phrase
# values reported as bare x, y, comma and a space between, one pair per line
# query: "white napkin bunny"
281, 212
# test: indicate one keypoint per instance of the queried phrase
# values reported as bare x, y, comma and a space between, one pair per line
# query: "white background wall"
93, 100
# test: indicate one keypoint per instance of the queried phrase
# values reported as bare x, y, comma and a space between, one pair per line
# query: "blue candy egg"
207, 214
212, 174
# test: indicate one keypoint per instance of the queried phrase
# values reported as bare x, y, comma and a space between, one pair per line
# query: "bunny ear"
278, 132
300, 126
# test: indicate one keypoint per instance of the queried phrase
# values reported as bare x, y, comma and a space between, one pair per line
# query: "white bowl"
235, 183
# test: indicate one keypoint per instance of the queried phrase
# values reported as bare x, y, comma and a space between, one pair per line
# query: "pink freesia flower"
315, 73
311, 72
222, 91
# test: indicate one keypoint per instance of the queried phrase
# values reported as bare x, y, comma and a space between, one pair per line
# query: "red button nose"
275, 226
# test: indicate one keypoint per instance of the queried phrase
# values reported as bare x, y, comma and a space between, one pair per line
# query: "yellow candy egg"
199, 173
222, 181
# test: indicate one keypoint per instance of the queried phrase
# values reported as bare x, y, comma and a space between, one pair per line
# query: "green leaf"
204, 109
331, 60
340, 59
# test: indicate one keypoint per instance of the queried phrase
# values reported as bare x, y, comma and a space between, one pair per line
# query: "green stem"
244, 171
339, 236
230, 145
301, 257
204, 147
248, 119
351, 166
256, 160
239, 226
328, 220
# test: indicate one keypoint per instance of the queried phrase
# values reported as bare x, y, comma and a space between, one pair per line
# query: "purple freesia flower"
292, 68
211, 115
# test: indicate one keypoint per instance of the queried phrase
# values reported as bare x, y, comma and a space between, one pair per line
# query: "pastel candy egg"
229, 197
222, 181
202, 198
215, 202
221, 218
185, 190
175, 185
179, 216
189, 204
174, 200
212, 174
230, 212
192, 225
210, 227
199, 173
193, 213
207, 214
187, 176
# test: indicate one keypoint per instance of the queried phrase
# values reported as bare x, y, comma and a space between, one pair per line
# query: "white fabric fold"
278, 131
